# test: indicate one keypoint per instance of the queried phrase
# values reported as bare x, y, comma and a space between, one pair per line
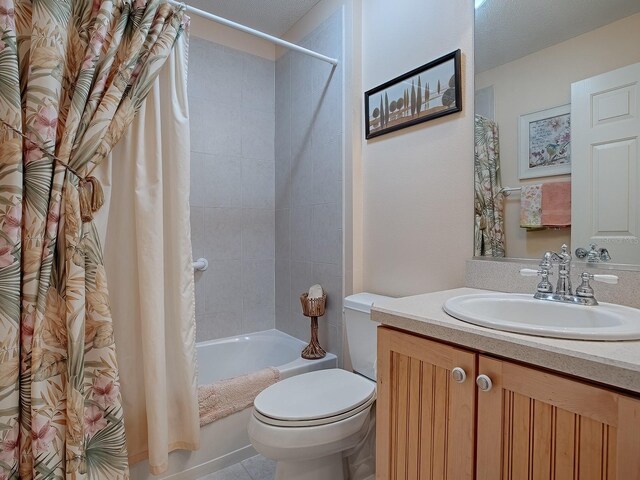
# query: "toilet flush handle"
459, 375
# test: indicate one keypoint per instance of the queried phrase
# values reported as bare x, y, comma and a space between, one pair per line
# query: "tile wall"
309, 113
232, 117
266, 191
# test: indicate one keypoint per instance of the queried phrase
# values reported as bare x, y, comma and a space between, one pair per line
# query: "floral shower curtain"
489, 201
72, 75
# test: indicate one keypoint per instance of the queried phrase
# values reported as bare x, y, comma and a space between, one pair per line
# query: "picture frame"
430, 91
544, 143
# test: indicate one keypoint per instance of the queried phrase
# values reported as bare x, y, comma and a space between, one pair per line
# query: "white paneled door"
605, 166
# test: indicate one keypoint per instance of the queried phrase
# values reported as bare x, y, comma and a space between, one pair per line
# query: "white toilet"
307, 422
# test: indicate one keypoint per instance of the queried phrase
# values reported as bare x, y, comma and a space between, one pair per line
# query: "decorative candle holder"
313, 308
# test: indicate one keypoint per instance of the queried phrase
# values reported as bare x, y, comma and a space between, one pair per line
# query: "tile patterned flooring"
254, 468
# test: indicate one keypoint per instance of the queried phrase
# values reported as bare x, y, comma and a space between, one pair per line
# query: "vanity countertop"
610, 363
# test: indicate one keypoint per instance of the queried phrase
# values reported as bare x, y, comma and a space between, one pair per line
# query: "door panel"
605, 165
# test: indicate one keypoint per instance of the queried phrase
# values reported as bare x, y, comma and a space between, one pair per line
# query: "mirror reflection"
557, 123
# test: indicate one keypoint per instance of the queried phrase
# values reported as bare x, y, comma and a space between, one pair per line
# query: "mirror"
527, 57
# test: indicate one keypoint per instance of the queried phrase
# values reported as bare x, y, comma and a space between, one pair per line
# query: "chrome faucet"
584, 293
564, 272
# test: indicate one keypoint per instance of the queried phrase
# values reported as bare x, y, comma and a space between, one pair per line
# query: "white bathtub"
225, 442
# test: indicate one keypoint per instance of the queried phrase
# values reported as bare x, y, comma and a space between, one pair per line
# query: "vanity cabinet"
528, 424
536, 424
425, 420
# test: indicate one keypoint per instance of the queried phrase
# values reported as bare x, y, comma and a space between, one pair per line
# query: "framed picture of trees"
427, 92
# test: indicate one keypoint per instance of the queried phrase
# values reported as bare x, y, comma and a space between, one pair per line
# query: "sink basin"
521, 313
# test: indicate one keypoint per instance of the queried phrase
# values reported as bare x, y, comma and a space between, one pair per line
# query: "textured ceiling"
271, 16
509, 29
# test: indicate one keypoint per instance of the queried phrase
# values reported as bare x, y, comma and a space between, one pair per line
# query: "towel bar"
200, 265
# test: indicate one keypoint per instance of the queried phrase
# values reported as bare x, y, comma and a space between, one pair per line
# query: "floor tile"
234, 472
260, 468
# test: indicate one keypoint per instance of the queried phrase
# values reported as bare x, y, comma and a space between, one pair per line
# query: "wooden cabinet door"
536, 425
425, 420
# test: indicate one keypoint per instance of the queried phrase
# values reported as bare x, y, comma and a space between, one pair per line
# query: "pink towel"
556, 204
225, 397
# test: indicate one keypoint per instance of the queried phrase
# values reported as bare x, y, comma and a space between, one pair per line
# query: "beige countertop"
611, 363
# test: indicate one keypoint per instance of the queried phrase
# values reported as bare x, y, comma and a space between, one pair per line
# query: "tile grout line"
247, 471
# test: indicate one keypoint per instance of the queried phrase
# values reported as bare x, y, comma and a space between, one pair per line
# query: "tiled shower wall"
308, 183
267, 216
231, 102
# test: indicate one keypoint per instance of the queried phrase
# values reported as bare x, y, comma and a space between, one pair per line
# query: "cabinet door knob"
459, 375
484, 383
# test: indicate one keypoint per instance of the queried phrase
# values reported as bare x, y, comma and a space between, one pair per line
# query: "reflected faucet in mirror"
584, 294
594, 255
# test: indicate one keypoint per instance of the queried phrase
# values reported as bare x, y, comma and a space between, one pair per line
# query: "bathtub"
225, 442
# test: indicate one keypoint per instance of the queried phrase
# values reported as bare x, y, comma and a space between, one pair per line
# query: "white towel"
315, 291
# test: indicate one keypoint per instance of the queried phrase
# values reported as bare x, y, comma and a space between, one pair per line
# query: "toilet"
309, 422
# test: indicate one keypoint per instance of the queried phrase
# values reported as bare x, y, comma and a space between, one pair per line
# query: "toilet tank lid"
362, 302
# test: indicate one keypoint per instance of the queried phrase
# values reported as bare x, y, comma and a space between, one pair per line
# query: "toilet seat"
315, 422
315, 398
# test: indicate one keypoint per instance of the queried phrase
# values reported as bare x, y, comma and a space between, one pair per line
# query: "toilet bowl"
307, 422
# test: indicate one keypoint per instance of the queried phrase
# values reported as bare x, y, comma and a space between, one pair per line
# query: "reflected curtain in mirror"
489, 201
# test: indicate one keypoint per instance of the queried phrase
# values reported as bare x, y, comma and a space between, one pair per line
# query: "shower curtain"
148, 263
72, 76
489, 201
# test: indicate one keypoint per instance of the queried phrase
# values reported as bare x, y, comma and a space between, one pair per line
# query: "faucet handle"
544, 286
611, 279
530, 272
585, 290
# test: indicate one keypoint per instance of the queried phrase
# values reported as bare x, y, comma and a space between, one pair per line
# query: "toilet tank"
361, 331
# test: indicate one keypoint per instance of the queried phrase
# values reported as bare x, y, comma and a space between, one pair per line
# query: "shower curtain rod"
257, 33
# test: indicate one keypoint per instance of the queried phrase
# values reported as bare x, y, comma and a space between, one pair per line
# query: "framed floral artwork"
544, 143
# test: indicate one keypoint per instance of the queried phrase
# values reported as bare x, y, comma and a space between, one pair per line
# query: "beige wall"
417, 199
543, 80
